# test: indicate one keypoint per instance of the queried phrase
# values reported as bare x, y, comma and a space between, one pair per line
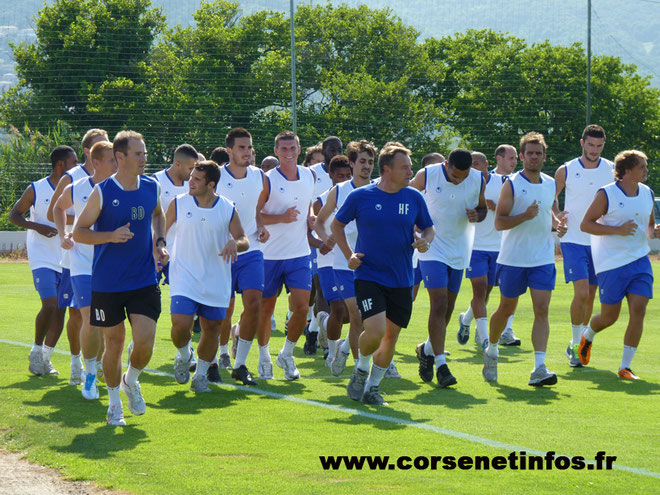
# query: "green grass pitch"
240, 441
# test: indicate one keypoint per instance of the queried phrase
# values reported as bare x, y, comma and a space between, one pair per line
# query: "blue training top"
120, 267
385, 225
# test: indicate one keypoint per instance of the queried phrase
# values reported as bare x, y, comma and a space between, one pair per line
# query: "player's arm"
59, 216
83, 232
560, 181
64, 181
238, 243
18, 211
262, 232
170, 216
503, 218
479, 213
419, 181
289, 216
597, 209
323, 213
158, 225
653, 231
338, 232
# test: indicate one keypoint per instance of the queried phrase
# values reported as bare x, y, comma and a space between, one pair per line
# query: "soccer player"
617, 222
454, 194
246, 187
527, 255
269, 163
118, 220
208, 240
483, 262
385, 215
219, 155
286, 253
313, 155
44, 255
75, 196
582, 178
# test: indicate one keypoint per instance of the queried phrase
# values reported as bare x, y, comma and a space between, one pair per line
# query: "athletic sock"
184, 352
288, 348
482, 329
310, 313
356, 361
313, 325
132, 375
264, 354
242, 350
75, 357
628, 355
224, 349
428, 348
363, 361
589, 334
539, 359
346, 346
48, 351
577, 333
492, 351
440, 359
113, 396
468, 316
90, 366
36, 347
332, 347
509, 322
202, 367
375, 377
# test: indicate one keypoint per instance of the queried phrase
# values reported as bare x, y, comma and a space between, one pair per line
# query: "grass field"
267, 439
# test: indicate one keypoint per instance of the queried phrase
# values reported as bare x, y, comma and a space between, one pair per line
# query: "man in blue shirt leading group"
386, 215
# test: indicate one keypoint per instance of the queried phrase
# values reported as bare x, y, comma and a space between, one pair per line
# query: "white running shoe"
182, 369
36, 358
224, 362
392, 372
90, 389
339, 362
200, 384
265, 370
323, 328
49, 369
136, 402
489, 371
288, 365
76, 371
116, 416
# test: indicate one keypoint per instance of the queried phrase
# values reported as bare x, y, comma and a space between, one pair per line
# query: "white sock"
264, 354
242, 350
90, 366
310, 313
288, 315
577, 333
468, 316
346, 346
36, 347
288, 348
375, 377
190, 342
492, 350
440, 359
332, 347
202, 367
113, 396
313, 325
273, 323
224, 349
539, 359
628, 355
132, 375
363, 361
482, 329
356, 361
428, 348
589, 334
184, 352
75, 357
509, 322
48, 351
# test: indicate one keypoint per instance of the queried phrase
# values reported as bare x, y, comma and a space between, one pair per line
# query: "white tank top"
81, 255
447, 202
169, 191
343, 190
76, 173
288, 240
486, 237
244, 193
323, 180
196, 270
43, 252
614, 251
582, 184
326, 260
530, 243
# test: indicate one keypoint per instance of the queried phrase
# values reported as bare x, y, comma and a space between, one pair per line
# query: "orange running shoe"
627, 374
584, 351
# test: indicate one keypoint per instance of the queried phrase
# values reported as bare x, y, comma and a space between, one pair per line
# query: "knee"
581, 294
541, 310
251, 305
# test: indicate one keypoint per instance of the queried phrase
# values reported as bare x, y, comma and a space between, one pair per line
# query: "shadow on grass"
105, 442
186, 402
537, 396
381, 417
448, 397
609, 381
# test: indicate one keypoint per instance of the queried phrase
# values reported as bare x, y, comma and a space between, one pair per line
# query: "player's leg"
224, 361
73, 331
247, 330
210, 320
540, 333
636, 311
182, 311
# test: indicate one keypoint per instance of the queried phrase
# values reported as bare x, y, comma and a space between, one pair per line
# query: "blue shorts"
346, 282
578, 263
514, 280
82, 291
329, 285
314, 261
248, 272
295, 273
182, 305
417, 275
633, 278
65, 290
437, 275
483, 263
46, 281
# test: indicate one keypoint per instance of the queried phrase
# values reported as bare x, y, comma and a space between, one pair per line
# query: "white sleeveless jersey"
614, 251
530, 243
196, 270
486, 236
323, 180
76, 173
582, 184
43, 252
325, 260
244, 193
343, 190
169, 191
288, 240
447, 202
81, 255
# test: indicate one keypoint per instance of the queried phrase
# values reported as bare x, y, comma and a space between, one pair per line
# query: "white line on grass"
380, 417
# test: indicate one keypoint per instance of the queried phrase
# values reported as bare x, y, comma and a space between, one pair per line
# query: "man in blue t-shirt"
386, 215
